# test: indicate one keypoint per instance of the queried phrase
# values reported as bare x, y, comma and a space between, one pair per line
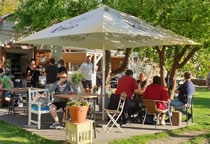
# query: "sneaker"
63, 124
162, 122
55, 126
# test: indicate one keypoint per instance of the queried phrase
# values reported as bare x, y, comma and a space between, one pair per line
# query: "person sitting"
129, 85
62, 86
184, 91
156, 91
142, 81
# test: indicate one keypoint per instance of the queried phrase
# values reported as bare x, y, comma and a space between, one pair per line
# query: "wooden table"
83, 95
11, 108
17, 89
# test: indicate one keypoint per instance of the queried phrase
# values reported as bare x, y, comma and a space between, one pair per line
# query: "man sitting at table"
62, 86
156, 91
185, 91
129, 85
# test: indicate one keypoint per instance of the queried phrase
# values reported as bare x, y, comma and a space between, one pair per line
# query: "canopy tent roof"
106, 28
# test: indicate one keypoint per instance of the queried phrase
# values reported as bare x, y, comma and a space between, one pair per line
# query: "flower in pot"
76, 78
78, 110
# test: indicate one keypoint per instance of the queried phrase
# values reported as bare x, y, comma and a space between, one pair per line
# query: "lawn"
201, 119
10, 134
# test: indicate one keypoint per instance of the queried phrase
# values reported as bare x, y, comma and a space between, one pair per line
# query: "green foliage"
36, 15
7, 6
78, 103
10, 134
189, 18
76, 78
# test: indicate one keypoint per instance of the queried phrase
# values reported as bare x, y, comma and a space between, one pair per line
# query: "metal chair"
114, 115
152, 109
187, 106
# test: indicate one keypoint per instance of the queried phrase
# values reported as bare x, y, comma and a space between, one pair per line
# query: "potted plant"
78, 110
76, 78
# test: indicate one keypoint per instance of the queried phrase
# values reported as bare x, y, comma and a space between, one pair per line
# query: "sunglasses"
62, 77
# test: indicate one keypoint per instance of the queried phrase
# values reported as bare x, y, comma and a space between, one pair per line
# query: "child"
5, 80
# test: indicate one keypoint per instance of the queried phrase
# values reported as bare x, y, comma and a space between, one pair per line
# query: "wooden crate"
79, 133
176, 118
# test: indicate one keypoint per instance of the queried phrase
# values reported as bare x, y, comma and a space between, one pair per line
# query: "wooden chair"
151, 108
35, 105
114, 115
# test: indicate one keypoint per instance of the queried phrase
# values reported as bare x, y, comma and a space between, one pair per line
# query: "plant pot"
78, 113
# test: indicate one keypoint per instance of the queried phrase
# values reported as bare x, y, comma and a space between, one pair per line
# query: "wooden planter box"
77, 133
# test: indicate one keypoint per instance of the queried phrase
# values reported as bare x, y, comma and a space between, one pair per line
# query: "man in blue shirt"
185, 91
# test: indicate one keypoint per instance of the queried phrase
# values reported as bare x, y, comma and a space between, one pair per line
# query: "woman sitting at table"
156, 91
142, 81
62, 86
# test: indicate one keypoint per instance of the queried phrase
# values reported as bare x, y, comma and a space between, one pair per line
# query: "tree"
7, 6
188, 18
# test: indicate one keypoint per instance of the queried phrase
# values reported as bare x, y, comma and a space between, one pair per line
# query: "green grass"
201, 119
10, 134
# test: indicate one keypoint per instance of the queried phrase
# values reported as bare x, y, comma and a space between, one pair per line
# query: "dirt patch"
177, 139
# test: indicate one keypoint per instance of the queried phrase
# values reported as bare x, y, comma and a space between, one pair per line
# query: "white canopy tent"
106, 28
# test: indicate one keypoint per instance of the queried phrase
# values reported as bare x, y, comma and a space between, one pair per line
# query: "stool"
176, 118
77, 133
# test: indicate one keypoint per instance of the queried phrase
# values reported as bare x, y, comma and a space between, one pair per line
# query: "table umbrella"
105, 28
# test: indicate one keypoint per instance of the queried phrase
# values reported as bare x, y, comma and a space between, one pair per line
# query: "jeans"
177, 104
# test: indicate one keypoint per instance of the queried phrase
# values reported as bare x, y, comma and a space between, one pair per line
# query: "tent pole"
103, 83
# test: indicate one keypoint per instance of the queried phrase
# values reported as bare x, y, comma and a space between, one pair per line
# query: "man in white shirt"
86, 69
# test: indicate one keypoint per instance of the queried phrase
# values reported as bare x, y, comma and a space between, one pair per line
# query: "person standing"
185, 91
33, 73
86, 69
51, 72
61, 66
7, 83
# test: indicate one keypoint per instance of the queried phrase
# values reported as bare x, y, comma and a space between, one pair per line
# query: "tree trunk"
108, 68
125, 63
108, 74
179, 61
172, 86
161, 54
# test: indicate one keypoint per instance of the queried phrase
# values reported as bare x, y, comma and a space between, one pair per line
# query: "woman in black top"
32, 70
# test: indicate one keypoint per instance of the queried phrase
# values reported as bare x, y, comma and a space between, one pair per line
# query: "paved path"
101, 138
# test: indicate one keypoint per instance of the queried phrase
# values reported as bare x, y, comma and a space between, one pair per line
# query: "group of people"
56, 81
155, 91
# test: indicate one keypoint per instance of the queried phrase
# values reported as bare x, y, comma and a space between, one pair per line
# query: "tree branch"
180, 55
158, 49
125, 63
188, 57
